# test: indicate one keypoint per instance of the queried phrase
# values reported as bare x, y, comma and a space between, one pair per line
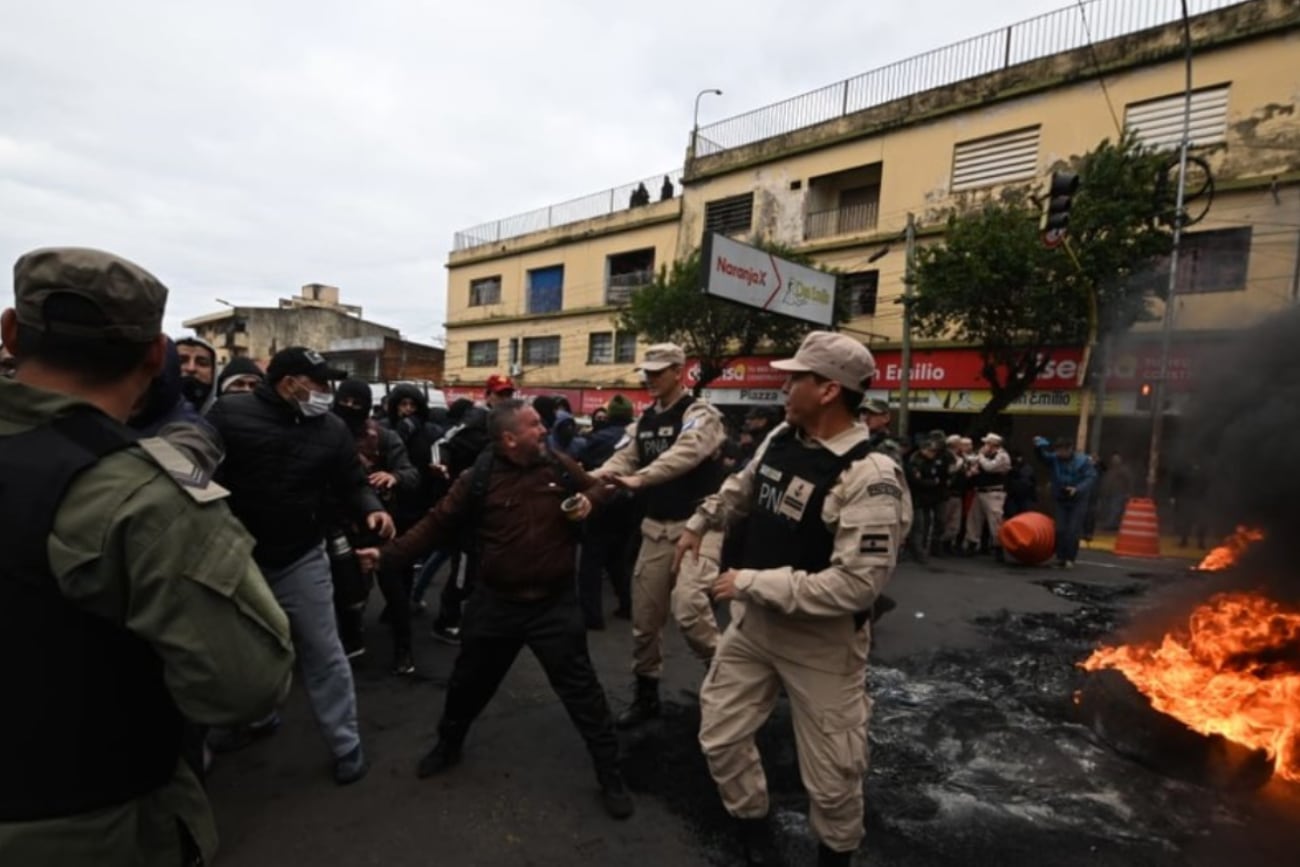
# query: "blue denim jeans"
1069, 527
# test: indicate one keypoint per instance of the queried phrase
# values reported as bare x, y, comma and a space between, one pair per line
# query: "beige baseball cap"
992, 440
837, 357
662, 356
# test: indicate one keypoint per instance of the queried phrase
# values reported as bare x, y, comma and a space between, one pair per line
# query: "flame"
1234, 671
1226, 555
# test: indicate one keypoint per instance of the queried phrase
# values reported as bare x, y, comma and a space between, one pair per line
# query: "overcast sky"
241, 149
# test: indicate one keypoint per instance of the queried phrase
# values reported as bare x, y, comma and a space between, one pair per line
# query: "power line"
1096, 65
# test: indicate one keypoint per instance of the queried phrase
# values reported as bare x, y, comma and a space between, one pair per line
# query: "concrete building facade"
835, 173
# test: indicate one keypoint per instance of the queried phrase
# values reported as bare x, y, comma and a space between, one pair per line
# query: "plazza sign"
756, 278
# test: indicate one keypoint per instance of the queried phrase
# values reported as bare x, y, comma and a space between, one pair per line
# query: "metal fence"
1052, 33
572, 211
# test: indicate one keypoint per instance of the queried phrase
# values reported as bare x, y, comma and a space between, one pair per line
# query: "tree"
675, 309
991, 282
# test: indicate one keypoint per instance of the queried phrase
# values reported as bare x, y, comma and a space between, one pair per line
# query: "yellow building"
835, 173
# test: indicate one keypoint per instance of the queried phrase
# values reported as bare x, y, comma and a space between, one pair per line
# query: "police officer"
826, 517
876, 416
129, 601
988, 476
669, 457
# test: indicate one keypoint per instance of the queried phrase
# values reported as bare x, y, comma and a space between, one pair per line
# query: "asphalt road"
976, 758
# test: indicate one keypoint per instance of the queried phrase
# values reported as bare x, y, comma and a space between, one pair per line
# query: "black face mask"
354, 417
194, 391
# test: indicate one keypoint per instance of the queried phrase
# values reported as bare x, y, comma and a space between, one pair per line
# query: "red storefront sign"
962, 368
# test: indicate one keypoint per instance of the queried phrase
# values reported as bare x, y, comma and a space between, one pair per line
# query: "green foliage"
675, 309
992, 283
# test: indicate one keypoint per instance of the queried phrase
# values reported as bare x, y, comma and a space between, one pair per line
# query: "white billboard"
756, 278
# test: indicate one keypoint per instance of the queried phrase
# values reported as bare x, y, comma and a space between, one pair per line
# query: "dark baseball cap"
301, 361
129, 300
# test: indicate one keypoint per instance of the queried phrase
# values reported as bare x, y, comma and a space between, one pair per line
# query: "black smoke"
1243, 430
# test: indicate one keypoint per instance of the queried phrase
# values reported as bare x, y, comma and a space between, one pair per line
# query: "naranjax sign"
750, 276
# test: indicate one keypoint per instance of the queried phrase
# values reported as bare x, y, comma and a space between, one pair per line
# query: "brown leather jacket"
527, 547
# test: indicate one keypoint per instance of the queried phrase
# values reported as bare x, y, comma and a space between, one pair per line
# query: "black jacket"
601, 445
281, 468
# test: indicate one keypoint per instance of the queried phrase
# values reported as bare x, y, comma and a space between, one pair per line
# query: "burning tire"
1123, 717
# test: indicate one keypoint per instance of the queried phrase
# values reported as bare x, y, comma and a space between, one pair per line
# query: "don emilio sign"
756, 278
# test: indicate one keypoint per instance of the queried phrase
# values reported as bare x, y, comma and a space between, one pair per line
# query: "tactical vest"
785, 526
88, 722
676, 500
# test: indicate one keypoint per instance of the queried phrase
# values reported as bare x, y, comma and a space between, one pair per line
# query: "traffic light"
1144, 397
1056, 219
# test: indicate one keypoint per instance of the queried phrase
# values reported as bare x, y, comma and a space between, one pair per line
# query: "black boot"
829, 858
754, 840
446, 754
644, 707
614, 794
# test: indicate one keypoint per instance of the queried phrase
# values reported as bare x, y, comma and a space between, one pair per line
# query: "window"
541, 351
606, 347
1207, 262
998, 159
1159, 122
484, 291
730, 216
482, 353
861, 288
600, 348
546, 289
843, 203
625, 347
628, 272
514, 353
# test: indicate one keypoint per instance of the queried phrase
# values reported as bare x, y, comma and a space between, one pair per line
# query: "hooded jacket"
211, 397
164, 413
238, 366
281, 469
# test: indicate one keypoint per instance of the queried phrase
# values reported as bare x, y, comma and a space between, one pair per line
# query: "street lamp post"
695, 124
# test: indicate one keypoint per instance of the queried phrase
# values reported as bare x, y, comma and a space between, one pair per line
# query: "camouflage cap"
662, 356
874, 406
129, 298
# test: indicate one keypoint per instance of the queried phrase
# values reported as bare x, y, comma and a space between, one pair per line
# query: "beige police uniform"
795, 630
653, 593
990, 496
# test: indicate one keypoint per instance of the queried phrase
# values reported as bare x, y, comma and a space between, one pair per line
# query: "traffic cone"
1028, 538
1139, 531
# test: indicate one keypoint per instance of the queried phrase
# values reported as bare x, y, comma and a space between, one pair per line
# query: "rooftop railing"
600, 204
1066, 29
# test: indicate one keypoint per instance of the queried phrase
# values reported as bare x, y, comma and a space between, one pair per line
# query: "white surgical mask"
317, 404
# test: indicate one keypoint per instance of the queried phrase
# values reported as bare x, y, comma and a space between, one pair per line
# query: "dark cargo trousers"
493, 631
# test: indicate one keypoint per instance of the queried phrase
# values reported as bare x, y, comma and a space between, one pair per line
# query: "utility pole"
905, 377
1166, 333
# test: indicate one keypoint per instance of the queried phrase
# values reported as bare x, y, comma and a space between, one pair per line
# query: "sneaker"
351, 767
447, 634
442, 757
1068, 564
404, 664
614, 794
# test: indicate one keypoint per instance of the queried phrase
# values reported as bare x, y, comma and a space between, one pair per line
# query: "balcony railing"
841, 221
1074, 26
573, 211
619, 287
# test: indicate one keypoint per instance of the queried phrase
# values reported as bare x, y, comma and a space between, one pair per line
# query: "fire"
1226, 555
1234, 671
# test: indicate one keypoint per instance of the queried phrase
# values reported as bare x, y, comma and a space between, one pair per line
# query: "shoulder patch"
623, 443
884, 489
183, 472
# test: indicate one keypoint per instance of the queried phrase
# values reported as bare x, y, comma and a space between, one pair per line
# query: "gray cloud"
242, 149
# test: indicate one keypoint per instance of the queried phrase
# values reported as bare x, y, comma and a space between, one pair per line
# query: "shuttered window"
546, 290
998, 159
482, 353
1159, 122
730, 216
541, 351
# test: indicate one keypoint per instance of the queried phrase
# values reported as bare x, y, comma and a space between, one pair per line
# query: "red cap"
496, 382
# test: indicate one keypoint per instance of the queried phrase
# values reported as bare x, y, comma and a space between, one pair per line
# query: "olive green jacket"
133, 544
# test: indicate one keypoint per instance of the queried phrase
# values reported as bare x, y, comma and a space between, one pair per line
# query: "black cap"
301, 361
